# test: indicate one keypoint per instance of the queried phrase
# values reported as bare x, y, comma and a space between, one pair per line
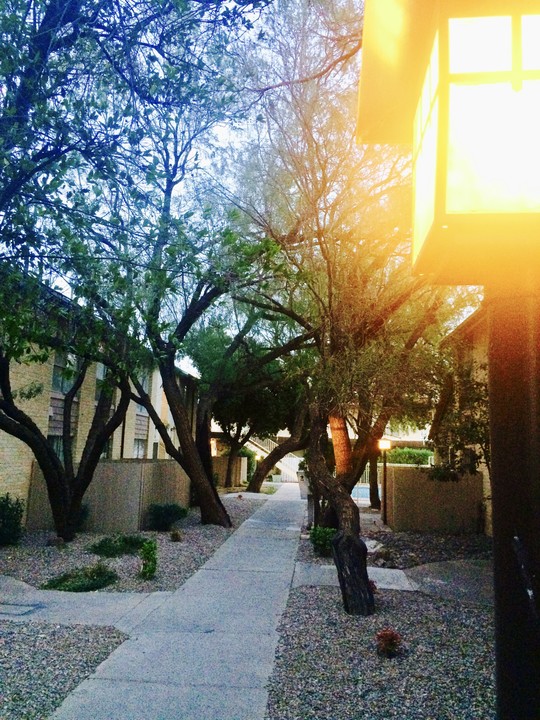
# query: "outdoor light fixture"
384, 444
458, 81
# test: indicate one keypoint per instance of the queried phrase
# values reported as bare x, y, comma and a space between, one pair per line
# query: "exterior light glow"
384, 444
466, 92
469, 82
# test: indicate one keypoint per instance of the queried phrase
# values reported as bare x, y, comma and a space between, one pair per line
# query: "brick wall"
15, 457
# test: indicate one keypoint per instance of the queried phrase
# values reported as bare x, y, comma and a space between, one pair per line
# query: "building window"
145, 382
57, 445
63, 378
101, 373
139, 449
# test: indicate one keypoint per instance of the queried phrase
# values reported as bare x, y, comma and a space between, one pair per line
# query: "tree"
98, 97
460, 428
248, 381
338, 213
46, 322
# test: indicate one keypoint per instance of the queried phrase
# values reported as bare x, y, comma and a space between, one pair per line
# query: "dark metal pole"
514, 384
385, 497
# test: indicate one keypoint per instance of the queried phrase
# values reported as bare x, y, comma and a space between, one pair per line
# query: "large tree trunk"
298, 440
65, 488
342, 445
212, 510
202, 434
233, 454
350, 552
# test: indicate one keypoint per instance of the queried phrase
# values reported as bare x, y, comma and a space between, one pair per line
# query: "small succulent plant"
389, 642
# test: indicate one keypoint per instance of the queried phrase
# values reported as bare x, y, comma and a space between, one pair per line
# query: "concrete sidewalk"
206, 650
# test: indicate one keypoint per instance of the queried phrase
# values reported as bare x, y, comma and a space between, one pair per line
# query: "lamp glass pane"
530, 28
480, 44
494, 148
425, 167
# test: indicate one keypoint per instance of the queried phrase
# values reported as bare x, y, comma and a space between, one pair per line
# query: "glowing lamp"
460, 82
384, 444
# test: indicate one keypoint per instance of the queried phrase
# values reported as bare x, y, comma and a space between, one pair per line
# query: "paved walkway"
207, 649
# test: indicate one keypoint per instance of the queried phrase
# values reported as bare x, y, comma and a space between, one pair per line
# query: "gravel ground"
408, 549
327, 666
34, 562
41, 662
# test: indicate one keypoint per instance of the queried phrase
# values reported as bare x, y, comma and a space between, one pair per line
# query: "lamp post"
384, 445
459, 80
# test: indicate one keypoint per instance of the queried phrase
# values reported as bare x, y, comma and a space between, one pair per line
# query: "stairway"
288, 464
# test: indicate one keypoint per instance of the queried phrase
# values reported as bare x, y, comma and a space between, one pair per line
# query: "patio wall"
119, 495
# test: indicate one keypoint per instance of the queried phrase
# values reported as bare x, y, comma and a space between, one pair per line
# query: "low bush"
82, 579
409, 456
161, 517
389, 642
149, 559
251, 461
117, 545
321, 539
11, 514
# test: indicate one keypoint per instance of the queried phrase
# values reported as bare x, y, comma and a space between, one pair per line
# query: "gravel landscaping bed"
34, 562
41, 662
327, 666
408, 549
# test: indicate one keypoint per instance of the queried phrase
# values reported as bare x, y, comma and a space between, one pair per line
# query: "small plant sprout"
389, 642
148, 556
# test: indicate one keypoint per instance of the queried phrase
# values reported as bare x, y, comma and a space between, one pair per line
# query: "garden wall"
417, 503
219, 465
119, 495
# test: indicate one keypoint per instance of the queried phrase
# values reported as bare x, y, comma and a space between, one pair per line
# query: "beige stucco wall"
417, 503
118, 496
219, 464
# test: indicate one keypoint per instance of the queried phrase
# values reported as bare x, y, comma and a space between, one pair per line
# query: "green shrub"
161, 517
149, 559
444, 472
117, 545
251, 461
11, 513
321, 539
83, 579
409, 456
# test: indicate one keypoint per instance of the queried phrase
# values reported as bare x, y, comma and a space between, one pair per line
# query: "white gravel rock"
40, 663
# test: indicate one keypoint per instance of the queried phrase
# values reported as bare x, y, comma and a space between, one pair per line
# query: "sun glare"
389, 18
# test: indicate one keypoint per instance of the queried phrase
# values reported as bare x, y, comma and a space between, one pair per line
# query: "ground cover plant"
149, 559
117, 545
84, 579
